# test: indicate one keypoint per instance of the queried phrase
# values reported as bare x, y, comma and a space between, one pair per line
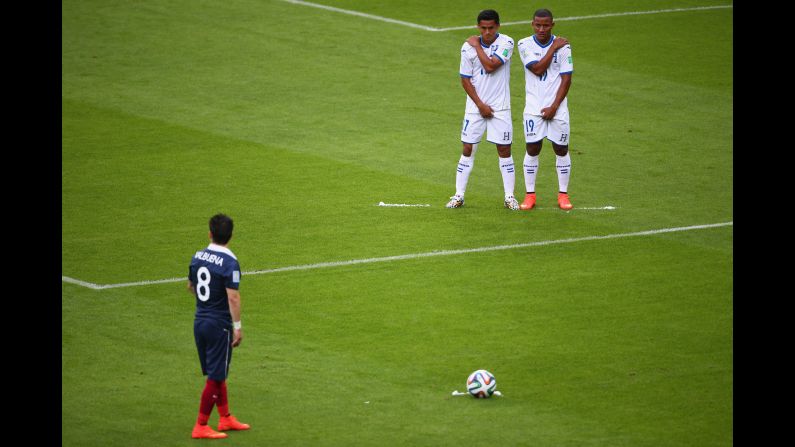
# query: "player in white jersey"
485, 75
548, 69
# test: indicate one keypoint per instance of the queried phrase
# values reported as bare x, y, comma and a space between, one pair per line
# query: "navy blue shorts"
214, 343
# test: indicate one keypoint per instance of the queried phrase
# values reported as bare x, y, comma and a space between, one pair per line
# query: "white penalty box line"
411, 256
522, 22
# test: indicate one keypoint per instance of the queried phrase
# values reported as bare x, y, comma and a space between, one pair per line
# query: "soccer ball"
481, 384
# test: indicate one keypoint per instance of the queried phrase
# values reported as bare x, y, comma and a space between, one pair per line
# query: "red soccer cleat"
563, 201
231, 423
529, 201
205, 431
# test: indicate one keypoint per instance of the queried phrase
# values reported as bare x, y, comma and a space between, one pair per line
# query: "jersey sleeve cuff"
465, 76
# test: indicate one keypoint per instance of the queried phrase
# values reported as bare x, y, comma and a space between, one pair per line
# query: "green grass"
297, 121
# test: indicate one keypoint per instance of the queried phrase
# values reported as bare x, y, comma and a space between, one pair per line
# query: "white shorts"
554, 130
499, 128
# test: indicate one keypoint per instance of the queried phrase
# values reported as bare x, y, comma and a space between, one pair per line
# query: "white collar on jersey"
221, 248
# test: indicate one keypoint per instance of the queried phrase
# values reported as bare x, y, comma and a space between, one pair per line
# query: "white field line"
362, 14
404, 204
115, 286
545, 208
433, 29
608, 207
598, 16
576, 208
411, 256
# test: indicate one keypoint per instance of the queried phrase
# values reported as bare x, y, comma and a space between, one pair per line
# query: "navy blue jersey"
212, 271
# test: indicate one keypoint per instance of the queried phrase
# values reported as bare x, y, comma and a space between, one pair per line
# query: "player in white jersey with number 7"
548, 69
485, 76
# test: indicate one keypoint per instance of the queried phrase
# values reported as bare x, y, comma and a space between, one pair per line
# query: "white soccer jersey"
492, 88
540, 91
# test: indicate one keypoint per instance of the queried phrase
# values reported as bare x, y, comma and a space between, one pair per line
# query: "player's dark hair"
489, 14
543, 12
221, 227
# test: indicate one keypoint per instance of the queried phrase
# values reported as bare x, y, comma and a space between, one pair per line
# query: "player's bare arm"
541, 66
549, 112
233, 296
191, 288
485, 110
489, 63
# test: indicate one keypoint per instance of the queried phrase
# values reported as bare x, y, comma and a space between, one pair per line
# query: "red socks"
213, 392
223, 404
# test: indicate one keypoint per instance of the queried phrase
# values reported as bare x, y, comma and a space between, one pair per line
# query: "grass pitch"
297, 122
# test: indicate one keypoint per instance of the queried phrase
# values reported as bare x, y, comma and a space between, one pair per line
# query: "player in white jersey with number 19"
485, 76
548, 69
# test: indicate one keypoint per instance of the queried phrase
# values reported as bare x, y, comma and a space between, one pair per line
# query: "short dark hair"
221, 227
543, 12
489, 14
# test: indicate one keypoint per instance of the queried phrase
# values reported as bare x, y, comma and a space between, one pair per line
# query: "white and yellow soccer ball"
481, 384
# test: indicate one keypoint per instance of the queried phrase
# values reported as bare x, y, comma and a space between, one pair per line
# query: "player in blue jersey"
214, 279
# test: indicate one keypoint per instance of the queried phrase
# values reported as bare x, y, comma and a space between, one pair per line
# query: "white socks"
465, 168
508, 175
462, 173
563, 165
530, 171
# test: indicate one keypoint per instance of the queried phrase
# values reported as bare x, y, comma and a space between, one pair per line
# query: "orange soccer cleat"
529, 201
563, 201
231, 423
205, 431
